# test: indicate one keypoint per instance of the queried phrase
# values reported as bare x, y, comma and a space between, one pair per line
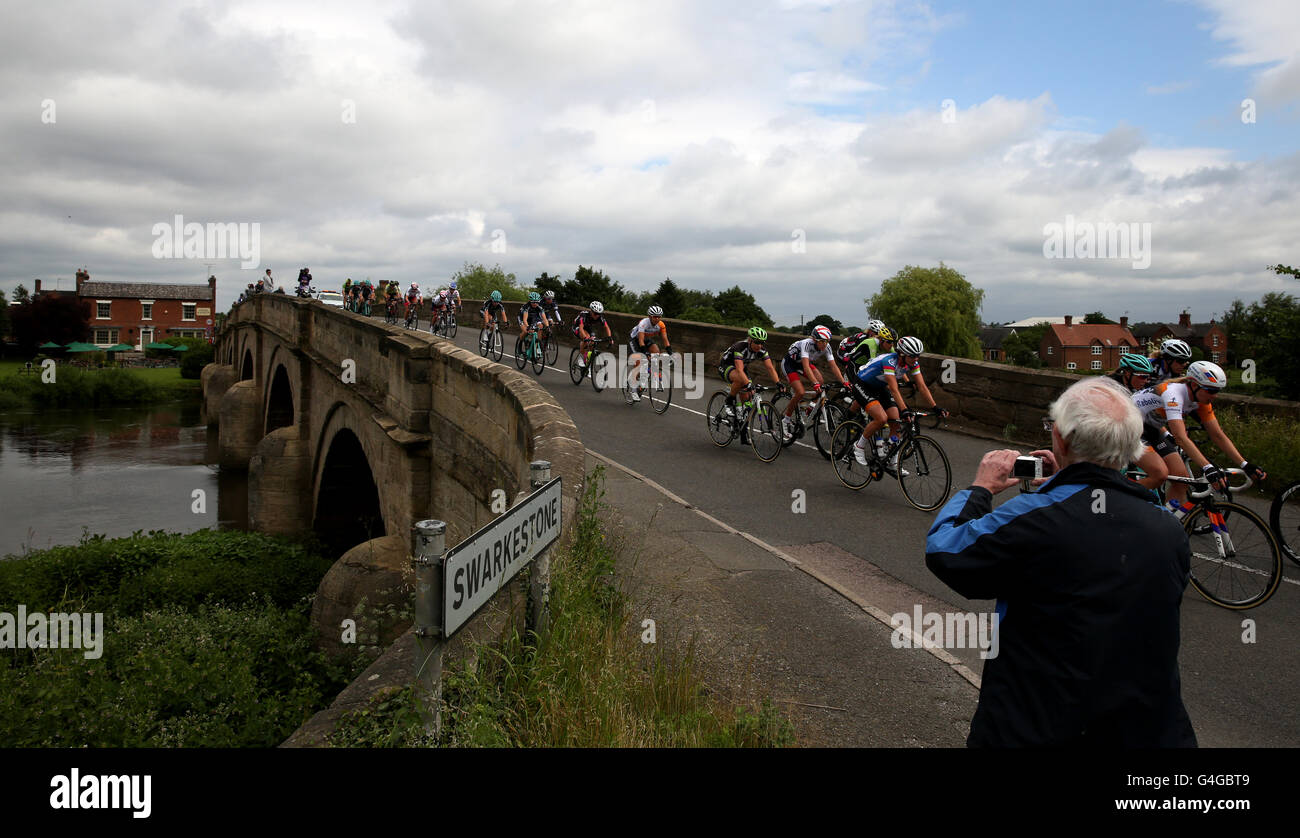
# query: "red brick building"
1210, 337
1082, 346
141, 313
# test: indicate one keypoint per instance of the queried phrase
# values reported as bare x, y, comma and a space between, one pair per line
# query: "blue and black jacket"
1089, 576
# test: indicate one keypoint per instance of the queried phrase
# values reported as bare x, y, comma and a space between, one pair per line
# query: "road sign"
479, 566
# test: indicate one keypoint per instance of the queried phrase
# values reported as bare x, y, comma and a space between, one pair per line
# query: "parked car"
330, 298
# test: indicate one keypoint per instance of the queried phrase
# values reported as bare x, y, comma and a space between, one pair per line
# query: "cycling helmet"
910, 346
875, 326
655, 311
1208, 375
821, 333
415, 286
596, 307
496, 296
758, 333
534, 297
453, 283
885, 333
548, 296
1176, 350
1136, 362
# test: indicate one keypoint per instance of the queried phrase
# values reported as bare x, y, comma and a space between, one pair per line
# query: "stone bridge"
356, 430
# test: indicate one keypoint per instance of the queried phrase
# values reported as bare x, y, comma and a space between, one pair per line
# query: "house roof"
1197, 331
991, 337
1034, 321
1086, 334
146, 290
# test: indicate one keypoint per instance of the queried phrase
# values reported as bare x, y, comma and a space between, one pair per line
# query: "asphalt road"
1237, 693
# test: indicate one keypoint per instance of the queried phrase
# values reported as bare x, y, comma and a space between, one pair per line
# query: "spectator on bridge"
270, 283
1089, 576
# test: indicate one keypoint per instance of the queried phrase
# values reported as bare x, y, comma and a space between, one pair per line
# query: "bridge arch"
280, 401
246, 370
347, 508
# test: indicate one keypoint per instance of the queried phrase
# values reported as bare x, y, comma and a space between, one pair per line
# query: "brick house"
141, 313
1210, 337
1085, 346
991, 338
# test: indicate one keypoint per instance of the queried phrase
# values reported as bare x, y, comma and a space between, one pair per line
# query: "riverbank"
205, 642
74, 387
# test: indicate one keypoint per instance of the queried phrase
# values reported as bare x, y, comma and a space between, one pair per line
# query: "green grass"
74, 387
208, 643
1272, 443
590, 682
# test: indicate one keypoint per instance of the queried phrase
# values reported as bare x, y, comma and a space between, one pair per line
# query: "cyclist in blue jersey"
876, 390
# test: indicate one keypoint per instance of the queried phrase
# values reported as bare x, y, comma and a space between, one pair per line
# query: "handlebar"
1203, 488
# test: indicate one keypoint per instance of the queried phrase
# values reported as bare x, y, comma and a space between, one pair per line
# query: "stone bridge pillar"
240, 423
216, 379
279, 484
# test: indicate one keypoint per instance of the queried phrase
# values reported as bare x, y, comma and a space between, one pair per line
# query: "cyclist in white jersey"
645, 338
798, 364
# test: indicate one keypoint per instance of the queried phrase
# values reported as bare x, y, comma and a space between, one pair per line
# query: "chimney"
38, 288
82, 277
212, 286
1185, 320
1123, 321
1069, 320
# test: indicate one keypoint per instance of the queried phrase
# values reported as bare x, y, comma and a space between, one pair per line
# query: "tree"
546, 283
937, 305
1097, 318
61, 318
1267, 332
1284, 270
738, 308
4, 316
669, 297
702, 314
21, 295
475, 282
590, 284
836, 327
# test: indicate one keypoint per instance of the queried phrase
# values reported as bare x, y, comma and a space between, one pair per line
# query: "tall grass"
75, 387
590, 682
1270, 442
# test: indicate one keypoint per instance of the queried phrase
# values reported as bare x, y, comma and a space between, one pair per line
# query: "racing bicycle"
489, 341
821, 412
753, 420
597, 364
917, 461
1284, 518
528, 347
652, 379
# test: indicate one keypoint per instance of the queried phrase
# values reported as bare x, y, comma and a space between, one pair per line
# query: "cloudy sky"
806, 151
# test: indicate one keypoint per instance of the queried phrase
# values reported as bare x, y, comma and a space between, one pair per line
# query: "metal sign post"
539, 575
429, 548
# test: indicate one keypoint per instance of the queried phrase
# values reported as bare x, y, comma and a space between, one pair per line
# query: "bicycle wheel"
485, 342
928, 478
552, 350
451, 324
521, 359
765, 432
576, 372
828, 420
629, 382
1284, 517
720, 427
847, 468
779, 404
602, 366
661, 386
1236, 562
497, 345
537, 354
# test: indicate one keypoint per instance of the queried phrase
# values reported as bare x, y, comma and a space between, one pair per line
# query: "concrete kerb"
873, 611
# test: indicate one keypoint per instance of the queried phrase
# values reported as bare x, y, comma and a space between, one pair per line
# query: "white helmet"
415, 286
875, 326
910, 346
1176, 350
655, 311
821, 333
1207, 375
596, 307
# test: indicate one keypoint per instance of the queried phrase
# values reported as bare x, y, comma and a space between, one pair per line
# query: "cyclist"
798, 364
853, 346
453, 296
584, 327
1134, 372
367, 291
492, 309
531, 313
644, 340
734, 358
876, 391
413, 299
860, 355
551, 308
1172, 360
347, 293
1163, 428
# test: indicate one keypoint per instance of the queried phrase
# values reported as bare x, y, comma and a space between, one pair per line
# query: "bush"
1271, 442
193, 362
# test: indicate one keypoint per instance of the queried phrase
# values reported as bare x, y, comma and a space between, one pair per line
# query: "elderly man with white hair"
1089, 575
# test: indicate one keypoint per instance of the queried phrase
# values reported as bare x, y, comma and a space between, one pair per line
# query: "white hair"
1099, 421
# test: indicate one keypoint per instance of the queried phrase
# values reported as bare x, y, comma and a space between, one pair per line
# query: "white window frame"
193, 315
110, 332
1216, 341
108, 316
1051, 349
1070, 365
146, 309
1096, 365
1096, 349
1123, 349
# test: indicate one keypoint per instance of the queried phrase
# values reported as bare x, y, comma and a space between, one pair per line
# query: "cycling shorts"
1160, 440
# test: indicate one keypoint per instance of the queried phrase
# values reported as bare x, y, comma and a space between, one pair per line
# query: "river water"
111, 471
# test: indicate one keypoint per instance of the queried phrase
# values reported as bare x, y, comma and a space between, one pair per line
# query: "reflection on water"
111, 471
